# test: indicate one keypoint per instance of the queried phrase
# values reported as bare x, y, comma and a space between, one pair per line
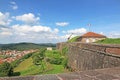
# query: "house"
91, 37
49, 48
1, 61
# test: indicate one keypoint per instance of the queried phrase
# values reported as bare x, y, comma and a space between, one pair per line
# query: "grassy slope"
56, 69
109, 41
74, 39
28, 68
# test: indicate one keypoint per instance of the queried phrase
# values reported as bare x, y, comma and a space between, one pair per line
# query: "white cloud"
28, 28
14, 5
38, 34
4, 19
31, 33
114, 35
5, 32
62, 23
27, 33
76, 31
28, 18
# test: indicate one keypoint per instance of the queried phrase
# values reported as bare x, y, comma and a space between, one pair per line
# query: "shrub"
6, 69
38, 57
57, 61
65, 63
64, 50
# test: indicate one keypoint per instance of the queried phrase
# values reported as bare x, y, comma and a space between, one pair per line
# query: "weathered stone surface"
46, 77
113, 50
85, 56
98, 74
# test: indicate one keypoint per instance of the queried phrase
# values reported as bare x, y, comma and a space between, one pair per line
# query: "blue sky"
42, 21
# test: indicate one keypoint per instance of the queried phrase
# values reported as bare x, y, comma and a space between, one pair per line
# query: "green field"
109, 41
28, 68
74, 39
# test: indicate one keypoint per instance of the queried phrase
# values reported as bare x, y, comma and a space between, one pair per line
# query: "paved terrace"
98, 74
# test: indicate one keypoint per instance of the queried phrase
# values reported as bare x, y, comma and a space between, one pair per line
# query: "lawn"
109, 41
28, 68
56, 69
52, 54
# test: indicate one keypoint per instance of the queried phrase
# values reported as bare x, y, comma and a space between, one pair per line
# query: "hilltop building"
91, 37
49, 48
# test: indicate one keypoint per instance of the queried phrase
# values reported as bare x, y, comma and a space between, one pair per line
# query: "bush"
6, 69
38, 57
64, 50
57, 61
65, 63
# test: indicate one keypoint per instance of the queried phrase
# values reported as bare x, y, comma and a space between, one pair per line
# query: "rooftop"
93, 35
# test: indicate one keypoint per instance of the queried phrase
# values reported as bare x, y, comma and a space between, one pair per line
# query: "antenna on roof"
70, 36
89, 25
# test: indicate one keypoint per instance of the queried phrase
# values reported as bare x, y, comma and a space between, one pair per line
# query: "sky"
52, 21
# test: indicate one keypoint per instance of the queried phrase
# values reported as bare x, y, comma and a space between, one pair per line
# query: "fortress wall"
89, 56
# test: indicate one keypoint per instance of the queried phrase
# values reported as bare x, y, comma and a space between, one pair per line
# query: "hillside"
74, 39
109, 41
52, 64
24, 46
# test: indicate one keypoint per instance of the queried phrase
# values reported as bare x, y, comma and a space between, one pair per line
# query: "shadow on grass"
16, 74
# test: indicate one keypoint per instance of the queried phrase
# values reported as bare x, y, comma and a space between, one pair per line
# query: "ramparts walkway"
98, 74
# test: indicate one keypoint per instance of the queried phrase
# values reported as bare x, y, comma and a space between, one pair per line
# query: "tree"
6, 69
38, 58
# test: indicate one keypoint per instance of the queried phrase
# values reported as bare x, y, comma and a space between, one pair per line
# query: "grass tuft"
109, 41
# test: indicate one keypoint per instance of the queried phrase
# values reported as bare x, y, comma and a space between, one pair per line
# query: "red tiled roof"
1, 61
93, 35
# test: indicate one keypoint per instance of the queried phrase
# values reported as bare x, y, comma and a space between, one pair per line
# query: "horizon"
54, 21
26, 43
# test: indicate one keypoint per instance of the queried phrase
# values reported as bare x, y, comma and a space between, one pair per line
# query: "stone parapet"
89, 56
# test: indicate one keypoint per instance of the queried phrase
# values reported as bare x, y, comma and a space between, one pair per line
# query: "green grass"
28, 68
109, 41
24, 65
56, 69
52, 54
74, 39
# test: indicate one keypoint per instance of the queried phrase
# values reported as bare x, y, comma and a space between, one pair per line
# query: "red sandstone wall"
85, 56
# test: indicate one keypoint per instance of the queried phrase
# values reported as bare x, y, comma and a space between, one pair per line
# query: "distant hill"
25, 46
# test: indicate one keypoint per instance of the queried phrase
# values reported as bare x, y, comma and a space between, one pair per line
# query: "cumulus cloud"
28, 18
27, 33
37, 33
114, 35
5, 32
62, 24
76, 31
4, 19
14, 5
28, 28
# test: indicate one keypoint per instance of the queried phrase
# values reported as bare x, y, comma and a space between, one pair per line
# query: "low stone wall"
99, 74
86, 56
